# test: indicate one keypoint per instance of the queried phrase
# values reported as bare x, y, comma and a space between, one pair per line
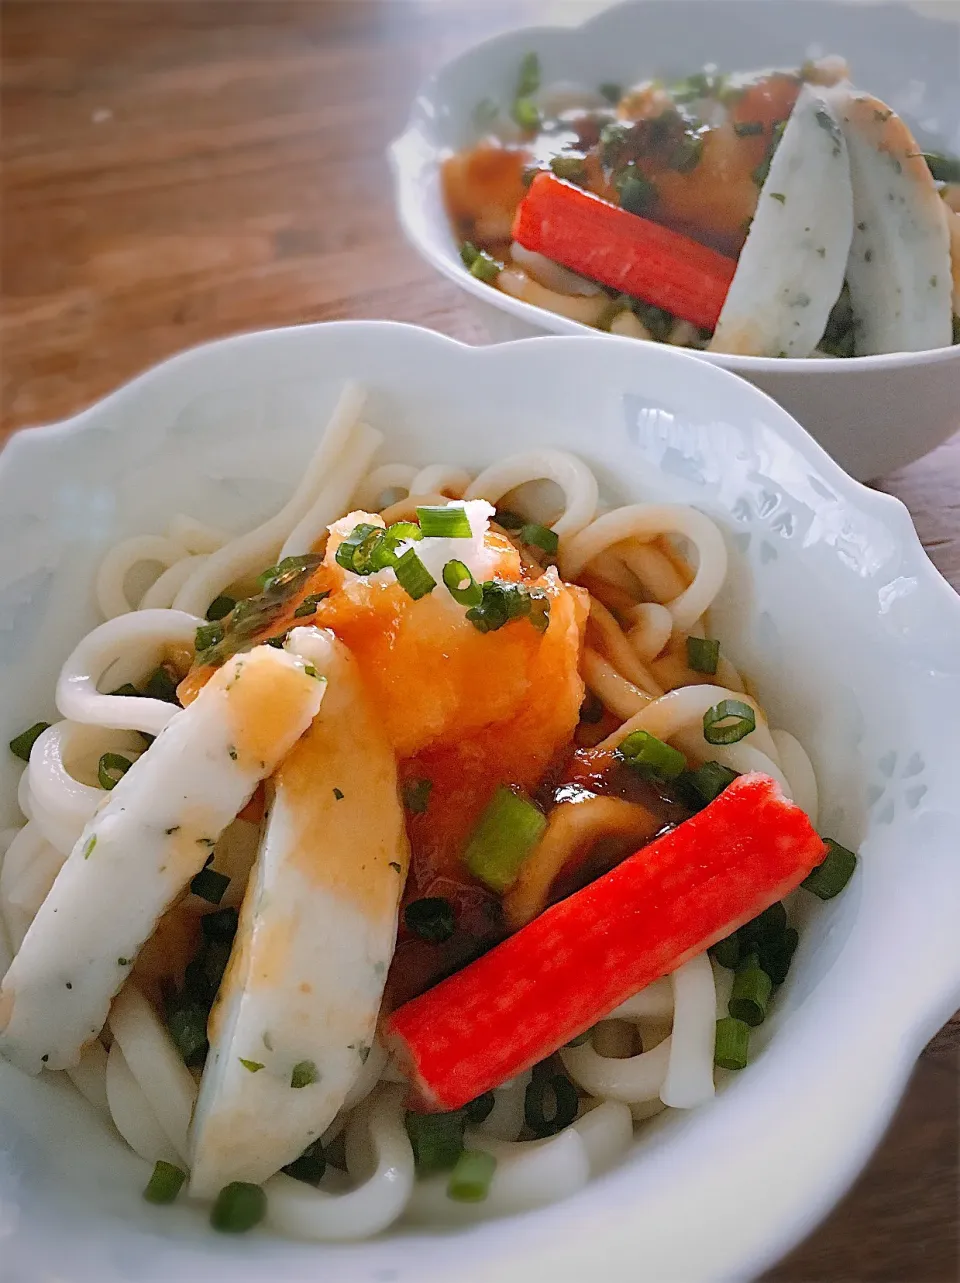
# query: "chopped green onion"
479, 1110
707, 782
470, 1179
732, 1045
570, 168
208, 635
502, 602
309, 605
509, 520
611, 91
162, 684
210, 885
416, 796
187, 1023
303, 1074
769, 925
528, 77
432, 919
202, 976
239, 1207
763, 169
777, 954
728, 722
751, 992
447, 522
652, 756
726, 953
526, 113
288, 570
165, 1183
401, 530
437, 1140
310, 1166
252, 1066
508, 830
703, 654
221, 925
747, 128
552, 1095
126, 689
460, 583
21, 745
413, 576
468, 253
540, 537
829, 878
687, 153
111, 769
355, 552
944, 169
220, 608
637, 192
485, 267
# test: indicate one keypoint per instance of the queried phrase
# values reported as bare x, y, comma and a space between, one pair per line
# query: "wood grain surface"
173, 172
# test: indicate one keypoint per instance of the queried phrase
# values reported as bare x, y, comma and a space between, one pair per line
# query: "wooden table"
177, 171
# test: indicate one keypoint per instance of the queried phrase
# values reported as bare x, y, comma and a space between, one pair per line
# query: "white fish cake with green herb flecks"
899, 269
153, 834
791, 267
297, 1009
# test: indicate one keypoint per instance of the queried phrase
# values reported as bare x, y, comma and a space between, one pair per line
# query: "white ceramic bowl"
831, 605
873, 414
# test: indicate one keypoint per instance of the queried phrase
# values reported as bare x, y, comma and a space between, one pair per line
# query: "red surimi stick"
584, 956
629, 253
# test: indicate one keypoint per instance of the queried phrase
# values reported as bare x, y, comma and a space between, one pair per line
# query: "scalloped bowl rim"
890, 1047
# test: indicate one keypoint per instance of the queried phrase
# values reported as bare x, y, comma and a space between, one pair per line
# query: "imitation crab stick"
624, 251
575, 963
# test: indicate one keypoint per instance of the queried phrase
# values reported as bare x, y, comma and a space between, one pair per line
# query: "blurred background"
177, 170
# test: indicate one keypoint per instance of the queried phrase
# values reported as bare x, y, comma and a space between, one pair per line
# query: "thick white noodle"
155, 1063
132, 1114
368, 1076
607, 1133
61, 805
689, 1077
162, 593
574, 478
728, 676
633, 1079
651, 626
655, 1002
258, 548
505, 1120
121, 559
30, 867
443, 477
528, 1174
138, 640
645, 522
334, 499
796, 766
89, 1076
376, 485
610, 687
196, 536
682, 710
655, 571
379, 1159
23, 795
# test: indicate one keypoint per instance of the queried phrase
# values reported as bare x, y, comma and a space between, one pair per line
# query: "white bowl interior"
831, 607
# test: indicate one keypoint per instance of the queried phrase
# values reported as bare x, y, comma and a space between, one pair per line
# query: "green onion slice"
776, 954
528, 77
509, 520
751, 992
210, 885
540, 537
162, 684
437, 1140
829, 878
286, 571
550, 1103
413, 576
187, 1023
470, 1179
111, 769
650, 755
239, 1207
447, 522
220, 608
703, 654
432, 919
728, 722
220, 925
310, 1166
309, 605
21, 745
943, 169
732, 1045
479, 1110
460, 583
303, 1074
769, 925
355, 552
208, 635
707, 782
508, 830
165, 1183
727, 952
127, 688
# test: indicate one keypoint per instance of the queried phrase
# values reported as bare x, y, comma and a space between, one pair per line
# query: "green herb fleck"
252, 1065
309, 605
88, 848
21, 745
778, 196
304, 1073
338, 795
747, 128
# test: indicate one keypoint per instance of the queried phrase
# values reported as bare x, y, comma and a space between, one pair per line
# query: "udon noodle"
653, 572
